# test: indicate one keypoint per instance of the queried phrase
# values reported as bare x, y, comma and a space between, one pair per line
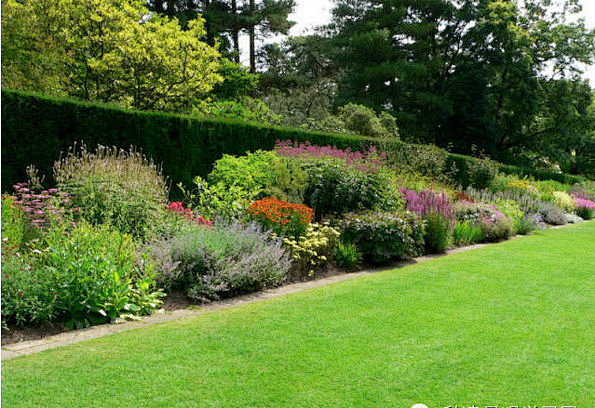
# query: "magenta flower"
364, 161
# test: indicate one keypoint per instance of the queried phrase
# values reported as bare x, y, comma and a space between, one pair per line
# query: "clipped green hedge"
36, 128
540, 174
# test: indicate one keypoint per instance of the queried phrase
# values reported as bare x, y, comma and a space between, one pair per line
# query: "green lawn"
508, 324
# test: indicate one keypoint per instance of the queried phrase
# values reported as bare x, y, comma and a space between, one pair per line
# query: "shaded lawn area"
508, 324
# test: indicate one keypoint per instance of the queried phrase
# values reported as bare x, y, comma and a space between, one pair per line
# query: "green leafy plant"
347, 255
14, 222
265, 172
466, 233
384, 236
437, 232
28, 292
94, 274
218, 202
250, 172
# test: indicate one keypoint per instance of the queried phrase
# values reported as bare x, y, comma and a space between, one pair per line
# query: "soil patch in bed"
12, 335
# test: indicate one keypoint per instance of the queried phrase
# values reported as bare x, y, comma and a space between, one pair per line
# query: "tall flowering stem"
41, 207
428, 202
584, 203
369, 160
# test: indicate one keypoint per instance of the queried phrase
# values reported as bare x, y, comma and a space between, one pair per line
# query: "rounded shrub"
220, 261
384, 236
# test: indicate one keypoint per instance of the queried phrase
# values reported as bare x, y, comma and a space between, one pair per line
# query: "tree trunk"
235, 32
207, 17
251, 33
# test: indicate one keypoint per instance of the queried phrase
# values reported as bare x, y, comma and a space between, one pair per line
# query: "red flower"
280, 212
20, 293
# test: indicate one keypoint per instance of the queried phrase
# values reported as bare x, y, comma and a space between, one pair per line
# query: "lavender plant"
209, 263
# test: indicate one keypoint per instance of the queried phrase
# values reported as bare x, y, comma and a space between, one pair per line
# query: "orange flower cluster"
281, 212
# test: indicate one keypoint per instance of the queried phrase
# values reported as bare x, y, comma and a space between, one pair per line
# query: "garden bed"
105, 245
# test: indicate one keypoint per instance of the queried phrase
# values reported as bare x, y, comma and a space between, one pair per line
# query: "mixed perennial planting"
105, 244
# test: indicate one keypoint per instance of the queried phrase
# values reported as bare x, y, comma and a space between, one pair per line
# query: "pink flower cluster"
583, 202
186, 213
428, 202
368, 160
40, 207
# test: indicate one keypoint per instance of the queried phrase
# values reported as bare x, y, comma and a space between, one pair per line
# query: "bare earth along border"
74, 336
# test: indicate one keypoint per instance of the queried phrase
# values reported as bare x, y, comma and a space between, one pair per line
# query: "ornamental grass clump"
113, 186
466, 233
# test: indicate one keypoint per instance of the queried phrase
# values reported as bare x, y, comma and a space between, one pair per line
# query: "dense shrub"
482, 172
497, 228
552, 214
526, 224
466, 233
113, 186
313, 250
384, 236
425, 160
335, 188
217, 201
357, 119
221, 261
265, 172
283, 218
